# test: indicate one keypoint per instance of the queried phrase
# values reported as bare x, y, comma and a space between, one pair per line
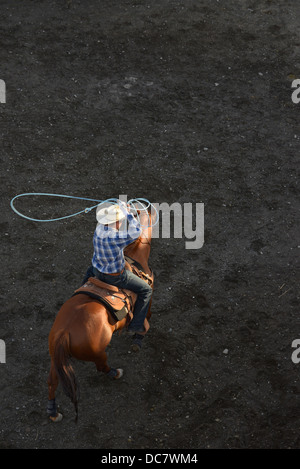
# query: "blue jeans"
129, 281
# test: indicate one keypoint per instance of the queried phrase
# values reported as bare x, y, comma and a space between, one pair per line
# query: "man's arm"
129, 231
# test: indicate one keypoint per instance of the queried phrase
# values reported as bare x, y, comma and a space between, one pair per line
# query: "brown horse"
83, 329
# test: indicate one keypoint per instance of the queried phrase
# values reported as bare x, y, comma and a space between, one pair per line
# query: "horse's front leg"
101, 365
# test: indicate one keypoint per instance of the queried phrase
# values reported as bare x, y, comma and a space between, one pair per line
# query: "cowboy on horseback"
81, 328
116, 229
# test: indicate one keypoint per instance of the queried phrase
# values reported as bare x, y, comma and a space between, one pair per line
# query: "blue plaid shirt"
109, 244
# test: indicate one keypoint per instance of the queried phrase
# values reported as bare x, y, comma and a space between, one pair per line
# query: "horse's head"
140, 249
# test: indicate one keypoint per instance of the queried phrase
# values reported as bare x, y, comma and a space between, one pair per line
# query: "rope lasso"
143, 204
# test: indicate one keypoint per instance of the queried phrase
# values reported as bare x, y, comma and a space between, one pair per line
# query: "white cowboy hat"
110, 214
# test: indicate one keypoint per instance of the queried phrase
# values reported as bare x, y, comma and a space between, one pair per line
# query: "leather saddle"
119, 301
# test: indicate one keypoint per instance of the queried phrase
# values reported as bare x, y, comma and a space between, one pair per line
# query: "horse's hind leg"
101, 364
52, 386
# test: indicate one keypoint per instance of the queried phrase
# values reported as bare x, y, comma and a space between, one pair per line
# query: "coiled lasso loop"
141, 203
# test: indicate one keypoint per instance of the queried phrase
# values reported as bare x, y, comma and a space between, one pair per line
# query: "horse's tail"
64, 369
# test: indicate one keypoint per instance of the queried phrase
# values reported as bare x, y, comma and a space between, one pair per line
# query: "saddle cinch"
119, 301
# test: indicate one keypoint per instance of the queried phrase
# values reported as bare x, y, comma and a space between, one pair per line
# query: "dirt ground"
175, 101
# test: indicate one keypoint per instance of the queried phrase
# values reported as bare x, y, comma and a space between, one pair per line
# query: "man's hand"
133, 210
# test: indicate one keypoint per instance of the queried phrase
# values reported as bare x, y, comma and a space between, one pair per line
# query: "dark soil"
175, 101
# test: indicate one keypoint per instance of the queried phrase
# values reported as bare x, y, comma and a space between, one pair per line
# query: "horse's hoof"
120, 373
115, 373
137, 343
57, 418
136, 347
